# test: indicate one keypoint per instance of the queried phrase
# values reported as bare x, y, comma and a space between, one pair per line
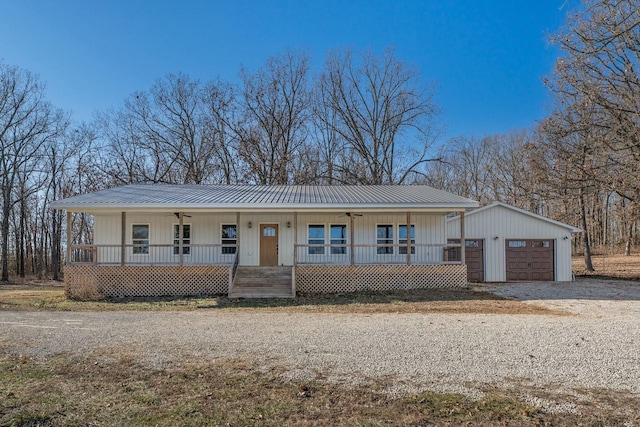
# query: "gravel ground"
598, 346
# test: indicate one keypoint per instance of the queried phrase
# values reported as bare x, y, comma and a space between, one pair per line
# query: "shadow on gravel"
356, 298
360, 298
456, 300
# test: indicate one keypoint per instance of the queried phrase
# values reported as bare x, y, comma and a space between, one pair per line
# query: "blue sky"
487, 57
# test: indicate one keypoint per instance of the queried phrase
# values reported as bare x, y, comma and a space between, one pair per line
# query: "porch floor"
262, 282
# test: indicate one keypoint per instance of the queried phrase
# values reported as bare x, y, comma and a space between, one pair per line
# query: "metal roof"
521, 211
265, 197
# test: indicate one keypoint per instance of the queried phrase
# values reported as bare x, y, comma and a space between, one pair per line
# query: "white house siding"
205, 230
504, 223
429, 229
250, 237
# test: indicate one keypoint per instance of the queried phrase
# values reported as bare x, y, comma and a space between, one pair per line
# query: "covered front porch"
233, 254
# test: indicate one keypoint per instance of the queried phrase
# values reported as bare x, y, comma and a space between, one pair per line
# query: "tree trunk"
627, 246
587, 247
21, 234
6, 209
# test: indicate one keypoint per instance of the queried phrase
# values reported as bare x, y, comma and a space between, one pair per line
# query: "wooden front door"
268, 245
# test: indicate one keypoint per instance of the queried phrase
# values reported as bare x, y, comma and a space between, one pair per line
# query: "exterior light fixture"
288, 224
495, 237
249, 225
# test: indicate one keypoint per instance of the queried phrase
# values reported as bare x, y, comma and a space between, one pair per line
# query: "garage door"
474, 258
529, 260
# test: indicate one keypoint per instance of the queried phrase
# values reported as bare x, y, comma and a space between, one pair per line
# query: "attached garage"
505, 243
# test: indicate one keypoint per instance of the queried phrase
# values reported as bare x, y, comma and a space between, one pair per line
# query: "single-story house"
505, 243
155, 240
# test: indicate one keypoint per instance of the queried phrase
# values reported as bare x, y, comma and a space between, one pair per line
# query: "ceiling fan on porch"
177, 214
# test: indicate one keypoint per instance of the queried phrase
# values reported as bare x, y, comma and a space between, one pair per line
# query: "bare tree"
75, 148
273, 123
162, 135
472, 164
381, 110
219, 113
572, 163
122, 157
27, 122
597, 91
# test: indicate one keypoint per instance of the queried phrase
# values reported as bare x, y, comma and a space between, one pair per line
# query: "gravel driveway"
598, 345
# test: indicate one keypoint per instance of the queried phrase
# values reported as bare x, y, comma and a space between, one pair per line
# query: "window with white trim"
316, 237
384, 236
140, 238
186, 239
338, 236
402, 239
229, 236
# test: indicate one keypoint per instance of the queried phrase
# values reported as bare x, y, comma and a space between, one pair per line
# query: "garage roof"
261, 197
522, 211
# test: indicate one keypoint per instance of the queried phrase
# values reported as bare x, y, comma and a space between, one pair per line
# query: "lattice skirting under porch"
348, 278
106, 281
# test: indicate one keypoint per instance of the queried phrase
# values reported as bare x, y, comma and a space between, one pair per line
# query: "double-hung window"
140, 238
385, 237
338, 237
316, 237
229, 236
186, 239
402, 239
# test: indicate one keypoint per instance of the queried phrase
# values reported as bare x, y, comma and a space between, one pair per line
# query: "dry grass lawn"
610, 265
113, 389
50, 296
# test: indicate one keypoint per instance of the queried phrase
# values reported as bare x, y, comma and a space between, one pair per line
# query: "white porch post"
295, 253
123, 236
408, 238
295, 238
180, 233
238, 236
462, 241
352, 234
69, 235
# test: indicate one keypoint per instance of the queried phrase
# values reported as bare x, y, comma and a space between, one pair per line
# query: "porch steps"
262, 282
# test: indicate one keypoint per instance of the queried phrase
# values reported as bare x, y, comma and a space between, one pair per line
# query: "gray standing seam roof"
158, 196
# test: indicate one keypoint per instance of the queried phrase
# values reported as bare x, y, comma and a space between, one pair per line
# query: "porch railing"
154, 254
373, 254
